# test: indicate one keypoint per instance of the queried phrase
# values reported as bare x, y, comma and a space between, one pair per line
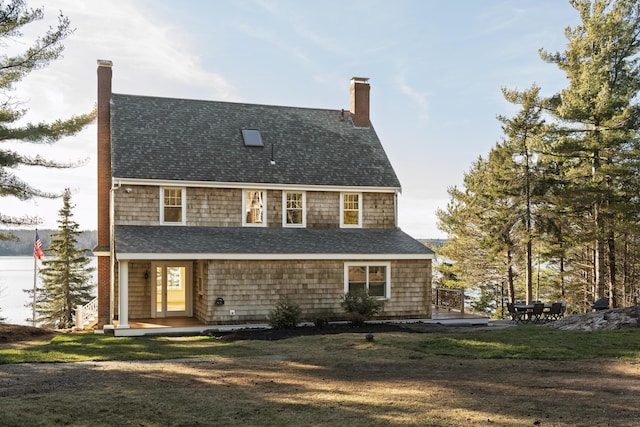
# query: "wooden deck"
190, 325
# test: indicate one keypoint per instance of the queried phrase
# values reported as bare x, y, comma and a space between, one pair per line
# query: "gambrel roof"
190, 140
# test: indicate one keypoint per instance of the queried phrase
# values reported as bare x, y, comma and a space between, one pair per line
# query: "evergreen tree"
14, 15
478, 224
65, 274
523, 135
598, 118
490, 223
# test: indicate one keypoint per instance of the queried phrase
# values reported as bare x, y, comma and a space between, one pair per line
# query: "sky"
436, 70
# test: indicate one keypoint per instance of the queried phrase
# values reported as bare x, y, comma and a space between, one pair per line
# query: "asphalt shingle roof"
249, 240
178, 139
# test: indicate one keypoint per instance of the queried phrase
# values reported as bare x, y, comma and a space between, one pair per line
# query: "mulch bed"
337, 328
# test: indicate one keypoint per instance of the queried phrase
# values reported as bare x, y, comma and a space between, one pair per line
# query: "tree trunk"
510, 276
598, 218
613, 302
562, 285
529, 268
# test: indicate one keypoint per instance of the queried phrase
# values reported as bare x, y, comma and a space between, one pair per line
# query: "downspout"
395, 209
112, 254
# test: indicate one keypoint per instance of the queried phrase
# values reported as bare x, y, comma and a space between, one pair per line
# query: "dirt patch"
340, 380
17, 333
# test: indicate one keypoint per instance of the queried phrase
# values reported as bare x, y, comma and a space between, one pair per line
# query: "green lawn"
523, 342
89, 346
532, 342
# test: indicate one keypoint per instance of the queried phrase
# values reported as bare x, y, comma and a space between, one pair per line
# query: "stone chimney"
360, 101
103, 249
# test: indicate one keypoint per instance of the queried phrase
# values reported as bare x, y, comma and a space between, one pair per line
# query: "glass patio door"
173, 290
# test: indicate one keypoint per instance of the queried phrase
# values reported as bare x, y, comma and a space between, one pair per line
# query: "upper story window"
254, 207
294, 204
373, 279
351, 210
173, 204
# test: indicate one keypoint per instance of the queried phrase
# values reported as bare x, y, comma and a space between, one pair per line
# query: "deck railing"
451, 299
87, 315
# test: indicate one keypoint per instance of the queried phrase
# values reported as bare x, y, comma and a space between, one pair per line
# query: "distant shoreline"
23, 246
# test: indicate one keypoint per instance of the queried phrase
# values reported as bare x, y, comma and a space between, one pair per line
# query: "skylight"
252, 138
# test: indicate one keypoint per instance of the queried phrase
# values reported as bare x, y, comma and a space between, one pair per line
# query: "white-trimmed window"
373, 278
294, 205
351, 210
254, 208
173, 202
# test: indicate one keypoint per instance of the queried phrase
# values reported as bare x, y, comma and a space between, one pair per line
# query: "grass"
524, 342
518, 376
531, 342
92, 347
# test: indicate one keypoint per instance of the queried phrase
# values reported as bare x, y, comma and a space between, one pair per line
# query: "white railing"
87, 315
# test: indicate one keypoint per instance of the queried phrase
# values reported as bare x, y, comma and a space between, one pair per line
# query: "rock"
604, 320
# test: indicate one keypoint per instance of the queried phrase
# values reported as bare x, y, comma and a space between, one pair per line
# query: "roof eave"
271, 256
117, 181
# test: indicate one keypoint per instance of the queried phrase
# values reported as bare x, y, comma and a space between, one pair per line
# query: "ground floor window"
373, 278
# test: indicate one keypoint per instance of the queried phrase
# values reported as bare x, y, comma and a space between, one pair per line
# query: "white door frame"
188, 312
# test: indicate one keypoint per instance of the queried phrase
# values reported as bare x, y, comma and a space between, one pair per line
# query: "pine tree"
598, 119
14, 15
523, 135
478, 222
65, 274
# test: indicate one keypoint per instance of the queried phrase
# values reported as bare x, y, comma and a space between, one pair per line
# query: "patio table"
525, 310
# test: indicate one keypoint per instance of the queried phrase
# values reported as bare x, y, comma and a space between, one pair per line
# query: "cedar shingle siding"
198, 146
222, 207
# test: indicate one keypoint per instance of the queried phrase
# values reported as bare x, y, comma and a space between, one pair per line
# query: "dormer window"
252, 138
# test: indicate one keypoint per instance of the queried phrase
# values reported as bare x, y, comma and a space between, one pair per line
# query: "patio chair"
515, 315
601, 304
537, 312
554, 312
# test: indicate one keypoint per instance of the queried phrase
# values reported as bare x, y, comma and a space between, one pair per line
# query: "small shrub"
286, 314
360, 306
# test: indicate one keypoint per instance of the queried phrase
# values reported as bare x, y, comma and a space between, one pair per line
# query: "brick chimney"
360, 101
104, 187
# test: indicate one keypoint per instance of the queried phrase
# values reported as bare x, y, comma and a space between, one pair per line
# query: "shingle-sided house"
215, 210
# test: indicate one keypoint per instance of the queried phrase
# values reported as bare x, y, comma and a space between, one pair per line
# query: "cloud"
418, 98
150, 57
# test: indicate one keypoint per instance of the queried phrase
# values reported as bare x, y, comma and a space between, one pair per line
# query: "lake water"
16, 275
